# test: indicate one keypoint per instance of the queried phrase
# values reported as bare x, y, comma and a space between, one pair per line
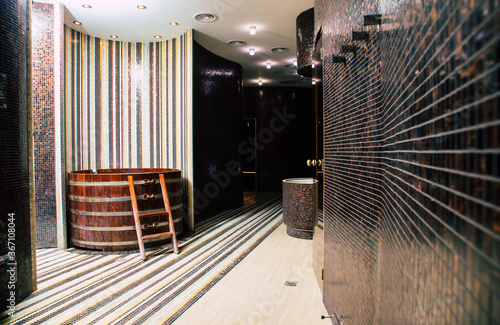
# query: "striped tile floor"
80, 288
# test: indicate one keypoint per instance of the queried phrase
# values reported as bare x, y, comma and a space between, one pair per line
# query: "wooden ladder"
137, 217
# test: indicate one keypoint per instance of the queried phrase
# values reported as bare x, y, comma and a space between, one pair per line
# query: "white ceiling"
274, 19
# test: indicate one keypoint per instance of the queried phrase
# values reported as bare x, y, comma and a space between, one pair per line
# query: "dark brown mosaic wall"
44, 106
16, 264
412, 162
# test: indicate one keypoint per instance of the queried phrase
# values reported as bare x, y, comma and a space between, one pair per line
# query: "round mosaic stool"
300, 208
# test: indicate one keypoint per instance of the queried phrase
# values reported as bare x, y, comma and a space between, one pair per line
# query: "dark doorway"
249, 162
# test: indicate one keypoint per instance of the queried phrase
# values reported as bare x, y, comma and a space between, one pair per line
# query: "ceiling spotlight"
279, 49
314, 82
312, 66
295, 62
76, 22
268, 65
236, 43
87, 6
141, 7
205, 18
114, 36
157, 36
253, 30
174, 23
252, 51
260, 82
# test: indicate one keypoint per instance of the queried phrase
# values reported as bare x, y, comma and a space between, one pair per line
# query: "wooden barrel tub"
100, 209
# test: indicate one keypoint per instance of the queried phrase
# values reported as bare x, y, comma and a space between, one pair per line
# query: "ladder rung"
137, 216
153, 214
162, 234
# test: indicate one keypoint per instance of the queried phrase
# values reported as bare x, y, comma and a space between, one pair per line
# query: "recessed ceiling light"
157, 36
268, 65
260, 82
174, 23
76, 22
205, 18
114, 36
141, 7
252, 51
87, 6
253, 30
295, 62
236, 43
279, 49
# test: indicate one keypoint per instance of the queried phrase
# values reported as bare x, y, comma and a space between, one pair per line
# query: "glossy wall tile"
217, 100
17, 269
48, 118
412, 162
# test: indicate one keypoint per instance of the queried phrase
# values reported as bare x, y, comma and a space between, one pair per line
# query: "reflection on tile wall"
412, 162
128, 104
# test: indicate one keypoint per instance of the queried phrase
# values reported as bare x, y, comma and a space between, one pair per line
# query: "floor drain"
291, 283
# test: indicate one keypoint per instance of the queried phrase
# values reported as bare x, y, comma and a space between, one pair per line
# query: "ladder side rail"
137, 221
166, 201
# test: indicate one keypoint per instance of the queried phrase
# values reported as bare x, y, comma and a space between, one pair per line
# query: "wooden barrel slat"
99, 203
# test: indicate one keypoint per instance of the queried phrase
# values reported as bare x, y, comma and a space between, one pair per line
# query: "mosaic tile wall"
412, 162
45, 103
17, 268
217, 115
305, 42
128, 105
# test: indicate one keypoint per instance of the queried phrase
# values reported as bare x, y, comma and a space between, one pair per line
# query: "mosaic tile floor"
78, 288
255, 291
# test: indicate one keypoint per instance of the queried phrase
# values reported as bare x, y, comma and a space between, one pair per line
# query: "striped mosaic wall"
128, 105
